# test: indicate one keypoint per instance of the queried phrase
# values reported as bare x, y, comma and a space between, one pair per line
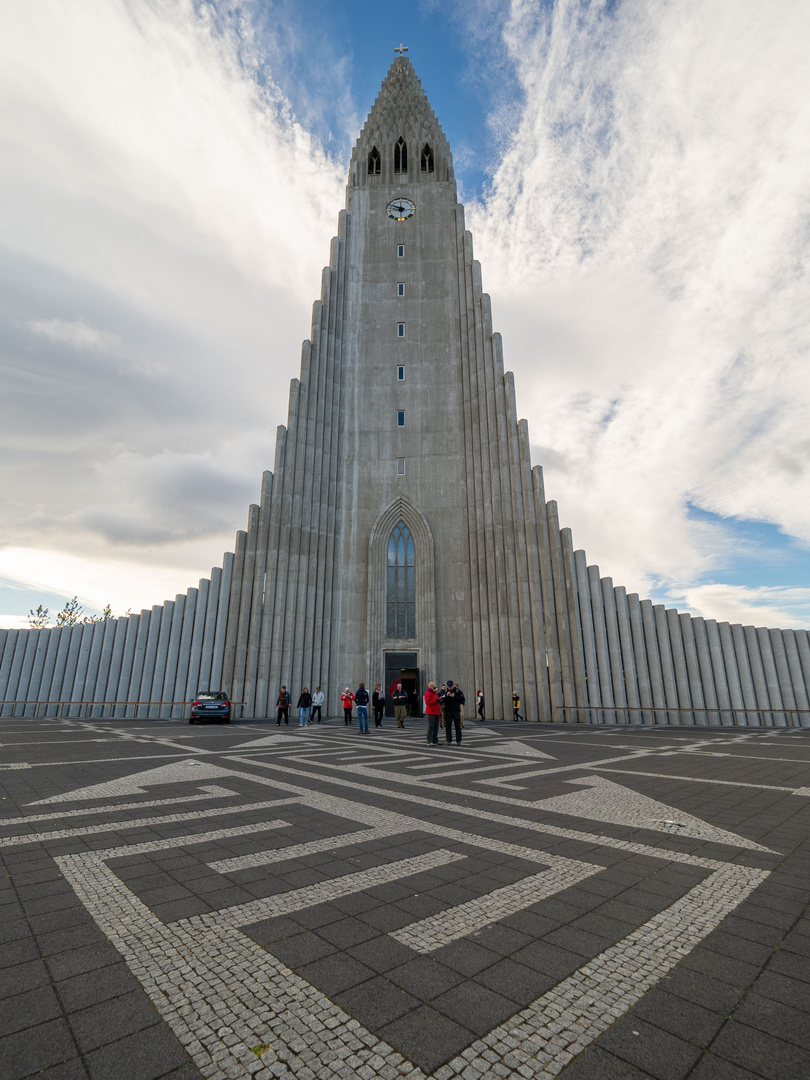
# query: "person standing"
433, 713
479, 697
453, 700
378, 705
304, 703
442, 703
516, 705
283, 706
317, 703
361, 701
400, 700
347, 701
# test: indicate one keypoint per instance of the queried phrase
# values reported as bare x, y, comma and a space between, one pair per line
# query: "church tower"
398, 531
403, 531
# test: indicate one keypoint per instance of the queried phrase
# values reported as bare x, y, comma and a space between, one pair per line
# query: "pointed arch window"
374, 162
401, 585
401, 156
427, 159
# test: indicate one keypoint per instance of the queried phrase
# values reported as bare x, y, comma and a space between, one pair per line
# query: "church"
403, 532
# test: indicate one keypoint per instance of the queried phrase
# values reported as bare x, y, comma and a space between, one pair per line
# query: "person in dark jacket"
400, 700
361, 701
480, 699
283, 706
304, 705
453, 700
378, 705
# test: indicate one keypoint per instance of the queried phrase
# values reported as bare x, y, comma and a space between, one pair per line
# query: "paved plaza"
597, 903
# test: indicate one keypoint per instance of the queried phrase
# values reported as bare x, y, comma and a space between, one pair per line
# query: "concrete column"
783, 673
210, 629
150, 652
181, 685
653, 662
732, 674
771, 676
116, 660
640, 659
685, 702
9, 646
233, 609
574, 628
79, 691
588, 639
600, 641
31, 648
667, 667
103, 670
614, 650
222, 623
161, 658
706, 671
796, 676
243, 629
127, 662
93, 664
48, 672
758, 676
35, 678
195, 651
534, 616
692, 668
172, 657
627, 654
563, 633
744, 671
548, 584
20, 644
803, 649
138, 658
62, 634
719, 670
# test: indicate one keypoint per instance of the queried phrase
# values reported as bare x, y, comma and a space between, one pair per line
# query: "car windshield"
212, 695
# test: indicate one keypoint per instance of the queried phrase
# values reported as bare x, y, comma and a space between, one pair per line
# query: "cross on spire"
401, 49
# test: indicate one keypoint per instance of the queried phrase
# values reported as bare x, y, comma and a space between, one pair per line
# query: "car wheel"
191, 720
227, 720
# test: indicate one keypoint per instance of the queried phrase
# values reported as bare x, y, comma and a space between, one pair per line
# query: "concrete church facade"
403, 528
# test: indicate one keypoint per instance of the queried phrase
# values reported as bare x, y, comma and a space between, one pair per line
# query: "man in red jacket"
433, 713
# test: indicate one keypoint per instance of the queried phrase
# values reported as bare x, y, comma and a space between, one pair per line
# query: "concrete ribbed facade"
403, 417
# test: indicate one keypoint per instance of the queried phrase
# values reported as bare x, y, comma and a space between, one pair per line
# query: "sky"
636, 177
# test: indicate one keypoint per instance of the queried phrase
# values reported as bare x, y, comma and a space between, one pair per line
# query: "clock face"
400, 209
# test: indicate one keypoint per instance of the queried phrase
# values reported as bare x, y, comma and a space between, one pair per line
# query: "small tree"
38, 619
70, 613
105, 616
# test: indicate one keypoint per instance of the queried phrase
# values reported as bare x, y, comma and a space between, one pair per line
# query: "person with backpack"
361, 701
453, 700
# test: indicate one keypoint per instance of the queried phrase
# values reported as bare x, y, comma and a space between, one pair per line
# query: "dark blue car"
213, 705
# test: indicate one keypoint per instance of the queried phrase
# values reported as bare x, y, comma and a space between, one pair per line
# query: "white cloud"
163, 224
764, 606
646, 245
78, 334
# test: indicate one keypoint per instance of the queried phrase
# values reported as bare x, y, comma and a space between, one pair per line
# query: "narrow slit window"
401, 156
400, 329
400, 251
427, 159
400, 288
400, 466
400, 374
374, 162
401, 418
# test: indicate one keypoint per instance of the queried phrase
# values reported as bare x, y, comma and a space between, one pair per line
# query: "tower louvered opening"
427, 159
401, 156
374, 162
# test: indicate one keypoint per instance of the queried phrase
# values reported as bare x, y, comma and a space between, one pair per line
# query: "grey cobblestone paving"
238, 903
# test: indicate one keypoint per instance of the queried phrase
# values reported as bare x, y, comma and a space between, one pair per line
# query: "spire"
401, 111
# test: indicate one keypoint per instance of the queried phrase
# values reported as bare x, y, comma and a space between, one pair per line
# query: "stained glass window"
401, 584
